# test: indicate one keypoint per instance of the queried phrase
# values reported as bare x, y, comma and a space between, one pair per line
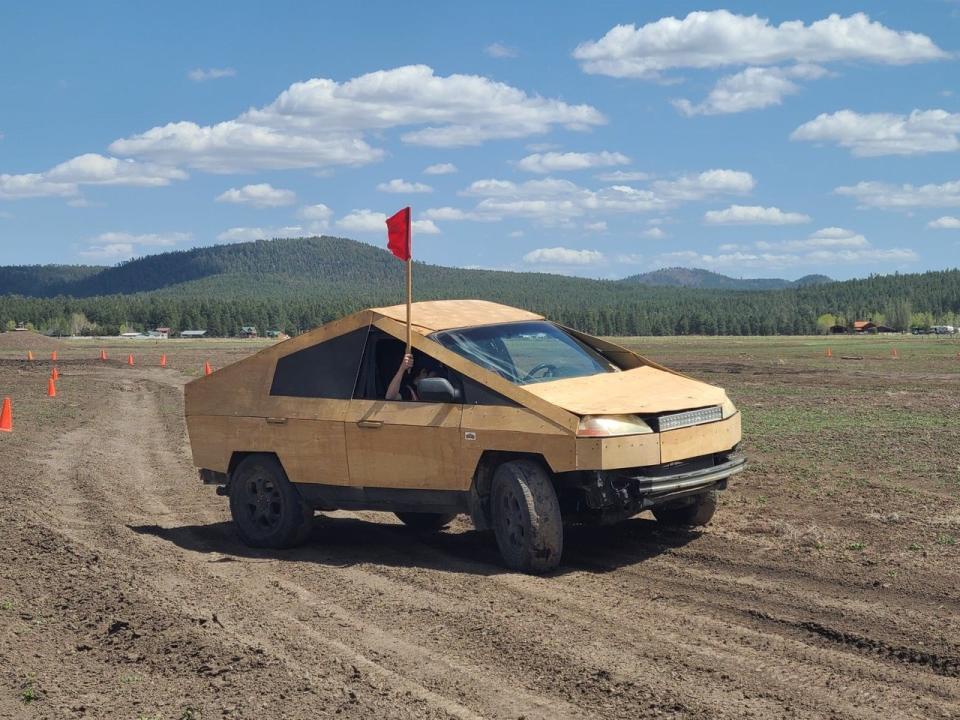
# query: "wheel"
267, 509
698, 512
526, 517
424, 521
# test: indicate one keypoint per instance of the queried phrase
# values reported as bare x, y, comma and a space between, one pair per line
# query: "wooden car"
523, 424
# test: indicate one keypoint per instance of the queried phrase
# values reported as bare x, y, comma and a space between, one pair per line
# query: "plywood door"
403, 444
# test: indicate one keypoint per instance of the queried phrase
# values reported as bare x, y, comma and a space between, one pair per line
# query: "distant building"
864, 326
162, 333
193, 333
248, 331
838, 329
884, 329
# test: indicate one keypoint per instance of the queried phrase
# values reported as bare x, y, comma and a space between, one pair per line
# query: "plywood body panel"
428, 317
637, 391
311, 451
396, 444
513, 429
618, 452
699, 439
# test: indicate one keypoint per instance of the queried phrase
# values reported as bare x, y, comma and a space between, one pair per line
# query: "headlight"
728, 409
610, 425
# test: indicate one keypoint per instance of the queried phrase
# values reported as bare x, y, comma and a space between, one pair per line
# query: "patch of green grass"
914, 547
6, 604
191, 713
946, 540
859, 545
29, 694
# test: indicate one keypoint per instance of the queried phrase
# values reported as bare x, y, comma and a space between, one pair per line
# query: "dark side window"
325, 370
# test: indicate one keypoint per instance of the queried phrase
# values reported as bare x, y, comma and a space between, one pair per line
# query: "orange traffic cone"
54, 374
51, 388
163, 360
130, 359
893, 353
207, 370
6, 416
103, 355
30, 355
828, 353
53, 356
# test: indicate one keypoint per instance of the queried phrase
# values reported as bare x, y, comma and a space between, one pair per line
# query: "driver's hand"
407, 362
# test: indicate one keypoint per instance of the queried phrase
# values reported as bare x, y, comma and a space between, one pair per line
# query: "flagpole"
409, 278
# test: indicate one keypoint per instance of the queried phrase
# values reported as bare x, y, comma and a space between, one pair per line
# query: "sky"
597, 139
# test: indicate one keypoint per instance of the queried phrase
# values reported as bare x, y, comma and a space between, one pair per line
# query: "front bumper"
618, 493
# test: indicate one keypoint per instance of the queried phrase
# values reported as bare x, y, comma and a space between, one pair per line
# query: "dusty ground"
826, 587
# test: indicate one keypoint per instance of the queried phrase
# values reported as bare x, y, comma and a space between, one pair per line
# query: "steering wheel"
547, 369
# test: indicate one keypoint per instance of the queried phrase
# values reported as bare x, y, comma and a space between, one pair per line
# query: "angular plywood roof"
434, 315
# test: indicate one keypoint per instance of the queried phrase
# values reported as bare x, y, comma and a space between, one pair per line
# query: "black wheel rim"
511, 517
263, 504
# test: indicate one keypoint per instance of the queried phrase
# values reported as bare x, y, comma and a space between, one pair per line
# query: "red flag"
398, 234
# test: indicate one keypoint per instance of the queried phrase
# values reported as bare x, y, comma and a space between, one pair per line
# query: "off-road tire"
699, 512
424, 521
267, 509
526, 517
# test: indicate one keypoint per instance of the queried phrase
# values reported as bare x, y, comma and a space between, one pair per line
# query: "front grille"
673, 421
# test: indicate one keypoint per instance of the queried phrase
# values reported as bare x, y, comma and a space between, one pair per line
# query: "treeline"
293, 285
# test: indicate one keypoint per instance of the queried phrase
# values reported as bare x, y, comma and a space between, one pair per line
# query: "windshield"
528, 352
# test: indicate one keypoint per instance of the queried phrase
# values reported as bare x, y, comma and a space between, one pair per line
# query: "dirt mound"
27, 340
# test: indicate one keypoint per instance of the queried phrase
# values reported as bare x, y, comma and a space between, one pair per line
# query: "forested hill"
298, 283
698, 278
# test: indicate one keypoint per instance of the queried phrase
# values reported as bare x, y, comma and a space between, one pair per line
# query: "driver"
400, 390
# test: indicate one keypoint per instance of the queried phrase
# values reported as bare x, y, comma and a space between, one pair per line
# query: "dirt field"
826, 587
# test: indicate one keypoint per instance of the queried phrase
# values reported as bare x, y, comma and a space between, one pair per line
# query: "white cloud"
599, 226
946, 222
655, 233
500, 51
750, 89
516, 234
320, 214
440, 169
261, 195
452, 213
621, 176
66, 178
13, 187
720, 38
753, 215
122, 245
872, 134
825, 247
249, 234
321, 123
204, 74
629, 259
886, 195
560, 162
368, 221
563, 256
402, 186
552, 200
424, 227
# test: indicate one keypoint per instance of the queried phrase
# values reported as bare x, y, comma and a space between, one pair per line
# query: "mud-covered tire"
526, 517
425, 522
267, 509
699, 512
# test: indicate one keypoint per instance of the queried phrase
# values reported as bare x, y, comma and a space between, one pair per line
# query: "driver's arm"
393, 390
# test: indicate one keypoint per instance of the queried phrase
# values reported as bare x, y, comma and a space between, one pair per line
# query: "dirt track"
125, 595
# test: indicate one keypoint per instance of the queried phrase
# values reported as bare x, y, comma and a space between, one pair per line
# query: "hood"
641, 391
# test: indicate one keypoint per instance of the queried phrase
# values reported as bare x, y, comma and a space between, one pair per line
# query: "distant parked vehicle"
943, 330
